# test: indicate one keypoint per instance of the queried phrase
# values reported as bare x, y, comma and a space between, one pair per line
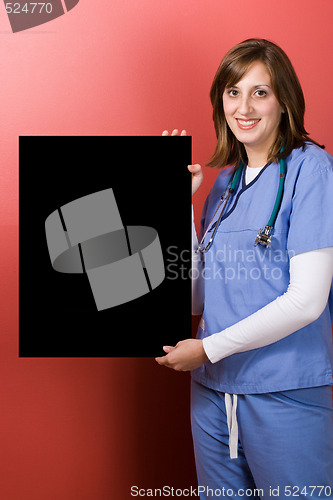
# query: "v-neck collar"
244, 187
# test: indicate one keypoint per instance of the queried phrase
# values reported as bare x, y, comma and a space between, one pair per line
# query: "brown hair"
286, 87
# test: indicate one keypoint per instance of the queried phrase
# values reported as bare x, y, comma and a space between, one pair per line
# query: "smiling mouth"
247, 124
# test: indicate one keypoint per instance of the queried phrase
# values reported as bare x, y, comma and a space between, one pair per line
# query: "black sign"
152, 188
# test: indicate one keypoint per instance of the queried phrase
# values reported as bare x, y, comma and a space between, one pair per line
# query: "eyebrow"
254, 87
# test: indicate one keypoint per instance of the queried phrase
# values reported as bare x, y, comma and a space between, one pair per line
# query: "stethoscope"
264, 237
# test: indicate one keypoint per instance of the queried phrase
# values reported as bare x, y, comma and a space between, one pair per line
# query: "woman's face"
252, 111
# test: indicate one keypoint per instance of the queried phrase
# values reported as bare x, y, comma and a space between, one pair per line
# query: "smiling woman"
264, 66
253, 113
262, 358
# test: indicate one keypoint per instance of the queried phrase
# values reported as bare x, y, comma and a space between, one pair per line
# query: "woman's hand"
186, 355
196, 170
197, 176
174, 132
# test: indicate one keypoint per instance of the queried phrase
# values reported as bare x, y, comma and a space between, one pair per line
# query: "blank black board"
58, 316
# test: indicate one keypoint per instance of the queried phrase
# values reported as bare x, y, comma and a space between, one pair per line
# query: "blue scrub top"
241, 278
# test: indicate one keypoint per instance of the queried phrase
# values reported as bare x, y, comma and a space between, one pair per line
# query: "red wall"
90, 428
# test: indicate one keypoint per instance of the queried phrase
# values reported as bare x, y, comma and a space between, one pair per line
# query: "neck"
256, 158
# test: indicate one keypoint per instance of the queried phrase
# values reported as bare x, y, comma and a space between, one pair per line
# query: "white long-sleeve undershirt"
305, 299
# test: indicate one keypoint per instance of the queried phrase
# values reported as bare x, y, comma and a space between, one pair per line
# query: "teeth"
248, 122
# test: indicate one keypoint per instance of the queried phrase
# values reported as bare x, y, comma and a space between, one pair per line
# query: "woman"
262, 417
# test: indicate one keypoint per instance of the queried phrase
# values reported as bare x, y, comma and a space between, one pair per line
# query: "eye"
232, 92
260, 93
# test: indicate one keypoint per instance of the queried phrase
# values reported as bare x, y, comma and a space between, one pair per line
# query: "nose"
245, 105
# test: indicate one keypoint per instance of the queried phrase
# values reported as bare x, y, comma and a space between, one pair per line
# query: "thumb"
167, 348
197, 176
195, 169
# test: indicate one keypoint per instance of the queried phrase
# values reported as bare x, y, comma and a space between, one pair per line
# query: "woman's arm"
304, 301
198, 289
310, 281
197, 265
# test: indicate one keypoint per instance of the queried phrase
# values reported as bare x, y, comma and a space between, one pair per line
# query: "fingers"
174, 132
164, 360
167, 362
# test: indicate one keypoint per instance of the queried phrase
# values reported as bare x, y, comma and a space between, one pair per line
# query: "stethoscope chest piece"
264, 238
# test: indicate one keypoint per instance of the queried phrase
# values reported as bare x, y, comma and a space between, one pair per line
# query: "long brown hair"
286, 87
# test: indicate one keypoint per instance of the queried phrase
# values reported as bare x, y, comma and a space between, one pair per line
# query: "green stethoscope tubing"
276, 208
263, 237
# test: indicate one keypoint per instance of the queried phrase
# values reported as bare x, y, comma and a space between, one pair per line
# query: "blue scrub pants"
285, 446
